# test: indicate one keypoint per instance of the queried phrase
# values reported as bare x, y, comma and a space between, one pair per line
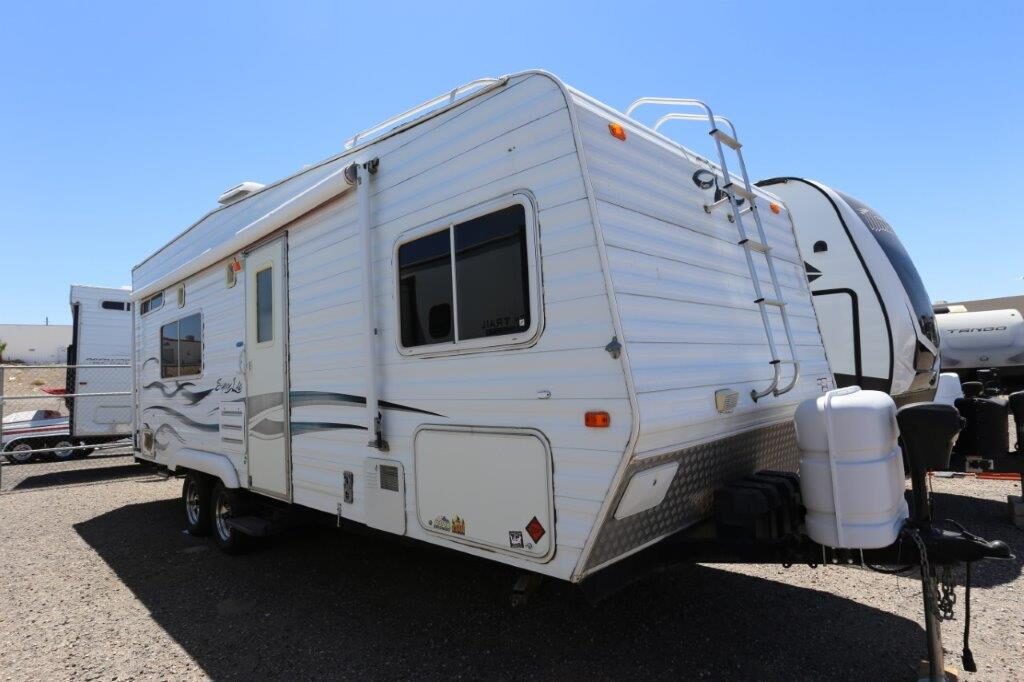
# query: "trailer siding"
517, 138
684, 291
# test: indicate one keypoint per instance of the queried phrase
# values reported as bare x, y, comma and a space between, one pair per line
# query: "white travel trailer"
513, 322
101, 335
986, 339
875, 315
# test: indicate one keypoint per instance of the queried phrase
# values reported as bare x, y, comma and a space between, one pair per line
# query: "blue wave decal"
269, 429
301, 398
192, 397
165, 428
211, 428
299, 428
149, 360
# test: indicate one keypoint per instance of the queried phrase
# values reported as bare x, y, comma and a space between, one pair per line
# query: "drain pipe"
361, 174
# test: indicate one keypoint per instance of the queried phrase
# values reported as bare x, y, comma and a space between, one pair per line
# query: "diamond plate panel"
702, 469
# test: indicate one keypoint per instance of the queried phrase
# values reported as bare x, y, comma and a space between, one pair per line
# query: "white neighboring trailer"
874, 312
982, 340
101, 335
517, 323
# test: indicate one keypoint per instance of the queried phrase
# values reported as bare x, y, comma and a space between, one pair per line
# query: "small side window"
265, 305
114, 305
152, 303
181, 347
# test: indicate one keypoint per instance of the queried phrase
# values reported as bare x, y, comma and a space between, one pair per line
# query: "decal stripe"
184, 419
301, 398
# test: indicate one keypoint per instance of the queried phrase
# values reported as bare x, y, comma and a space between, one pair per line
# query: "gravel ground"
99, 582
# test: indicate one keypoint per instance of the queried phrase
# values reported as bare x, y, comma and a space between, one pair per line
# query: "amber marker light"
597, 420
776, 209
617, 131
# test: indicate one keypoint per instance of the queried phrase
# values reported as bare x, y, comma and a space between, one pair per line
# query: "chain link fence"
59, 413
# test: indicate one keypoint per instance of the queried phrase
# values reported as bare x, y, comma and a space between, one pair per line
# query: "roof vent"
239, 191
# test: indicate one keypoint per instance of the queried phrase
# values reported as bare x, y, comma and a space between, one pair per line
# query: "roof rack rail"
449, 97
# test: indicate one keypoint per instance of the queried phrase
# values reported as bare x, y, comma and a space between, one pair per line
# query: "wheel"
20, 453
63, 455
224, 504
195, 497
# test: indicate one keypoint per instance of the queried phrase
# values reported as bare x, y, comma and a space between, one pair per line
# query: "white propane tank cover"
851, 469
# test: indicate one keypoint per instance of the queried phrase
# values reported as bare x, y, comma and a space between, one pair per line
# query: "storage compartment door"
486, 487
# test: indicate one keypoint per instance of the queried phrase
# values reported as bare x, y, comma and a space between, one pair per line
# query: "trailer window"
901, 263
425, 290
181, 347
484, 293
114, 305
491, 274
265, 305
152, 303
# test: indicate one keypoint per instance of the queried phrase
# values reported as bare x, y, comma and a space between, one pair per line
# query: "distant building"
36, 343
1001, 303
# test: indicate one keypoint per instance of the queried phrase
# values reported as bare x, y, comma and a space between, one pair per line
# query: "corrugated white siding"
185, 412
684, 292
104, 336
516, 138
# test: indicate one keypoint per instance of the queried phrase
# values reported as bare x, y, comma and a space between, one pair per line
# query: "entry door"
266, 335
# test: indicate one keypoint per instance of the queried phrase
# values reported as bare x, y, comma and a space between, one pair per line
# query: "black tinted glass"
265, 305
491, 273
169, 350
190, 345
901, 263
425, 290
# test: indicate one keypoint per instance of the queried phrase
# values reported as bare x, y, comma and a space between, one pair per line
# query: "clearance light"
776, 209
597, 420
236, 266
617, 131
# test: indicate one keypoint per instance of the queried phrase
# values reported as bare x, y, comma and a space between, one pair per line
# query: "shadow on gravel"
79, 476
990, 520
94, 469
319, 603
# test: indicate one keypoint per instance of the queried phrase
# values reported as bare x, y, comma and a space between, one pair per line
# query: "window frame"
202, 345
520, 339
146, 306
257, 269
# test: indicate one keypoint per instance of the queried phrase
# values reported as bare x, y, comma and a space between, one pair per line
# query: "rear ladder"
733, 195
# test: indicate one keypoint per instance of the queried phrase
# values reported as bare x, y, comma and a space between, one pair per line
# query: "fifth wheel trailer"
875, 315
509, 326
987, 339
98, 358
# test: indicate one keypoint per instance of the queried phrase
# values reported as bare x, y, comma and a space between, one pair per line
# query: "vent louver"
389, 478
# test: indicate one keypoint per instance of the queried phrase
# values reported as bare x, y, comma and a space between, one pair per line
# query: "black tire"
65, 455
224, 504
195, 500
13, 452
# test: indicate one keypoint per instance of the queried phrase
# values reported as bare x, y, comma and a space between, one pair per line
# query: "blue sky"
120, 123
